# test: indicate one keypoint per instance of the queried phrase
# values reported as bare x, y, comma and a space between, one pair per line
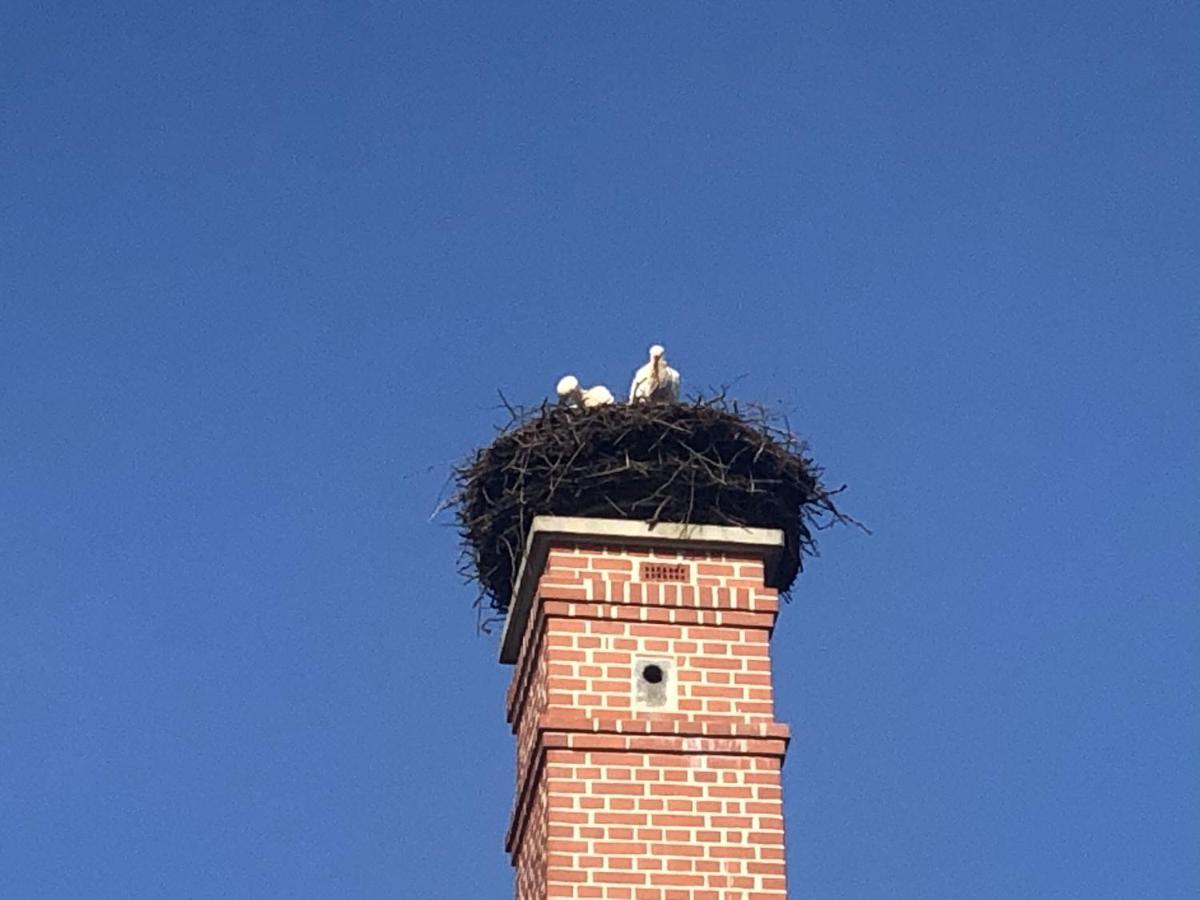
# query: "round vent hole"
653, 674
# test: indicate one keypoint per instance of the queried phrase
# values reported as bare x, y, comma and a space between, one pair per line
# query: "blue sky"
264, 268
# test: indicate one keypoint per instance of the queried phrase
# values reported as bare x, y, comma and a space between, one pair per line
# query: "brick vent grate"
666, 572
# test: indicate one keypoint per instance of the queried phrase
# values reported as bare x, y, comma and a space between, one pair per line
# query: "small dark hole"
653, 674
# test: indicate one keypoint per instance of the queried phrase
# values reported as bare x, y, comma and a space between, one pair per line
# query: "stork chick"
571, 393
655, 382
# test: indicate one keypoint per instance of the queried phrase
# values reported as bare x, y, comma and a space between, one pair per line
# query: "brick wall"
648, 756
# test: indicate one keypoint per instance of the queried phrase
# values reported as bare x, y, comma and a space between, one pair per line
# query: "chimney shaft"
648, 755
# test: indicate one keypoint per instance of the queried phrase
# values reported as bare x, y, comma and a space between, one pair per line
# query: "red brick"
618, 802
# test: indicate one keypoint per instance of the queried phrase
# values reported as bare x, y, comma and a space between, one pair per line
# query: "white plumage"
570, 392
655, 382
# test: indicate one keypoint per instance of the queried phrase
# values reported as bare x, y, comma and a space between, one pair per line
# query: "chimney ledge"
547, 529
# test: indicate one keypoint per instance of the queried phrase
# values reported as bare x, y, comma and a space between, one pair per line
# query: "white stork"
655, 382
571, 393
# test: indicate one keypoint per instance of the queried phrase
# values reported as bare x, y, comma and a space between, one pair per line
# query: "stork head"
657, 352
568, 387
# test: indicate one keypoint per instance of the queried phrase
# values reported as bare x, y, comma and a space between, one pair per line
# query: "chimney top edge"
620, 531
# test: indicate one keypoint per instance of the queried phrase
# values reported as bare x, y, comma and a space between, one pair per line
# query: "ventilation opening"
653, 687
666, 572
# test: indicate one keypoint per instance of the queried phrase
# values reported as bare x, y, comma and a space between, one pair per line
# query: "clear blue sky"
263, 268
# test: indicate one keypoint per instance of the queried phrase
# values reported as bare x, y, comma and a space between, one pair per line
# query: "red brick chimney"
648, 755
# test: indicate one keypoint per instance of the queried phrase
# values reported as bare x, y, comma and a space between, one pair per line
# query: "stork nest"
704, 462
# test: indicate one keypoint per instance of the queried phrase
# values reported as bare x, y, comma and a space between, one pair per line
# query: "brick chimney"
648, 755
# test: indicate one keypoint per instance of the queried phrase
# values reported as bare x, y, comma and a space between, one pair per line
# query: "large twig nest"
703, 462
